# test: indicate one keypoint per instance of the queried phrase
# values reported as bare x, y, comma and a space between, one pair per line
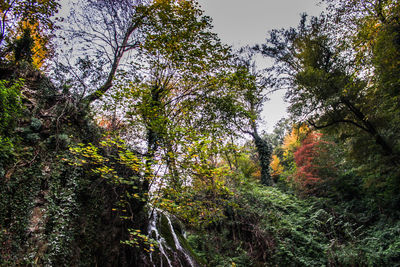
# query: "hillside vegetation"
130, 136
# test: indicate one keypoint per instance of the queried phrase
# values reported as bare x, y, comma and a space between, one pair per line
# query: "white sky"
246, 22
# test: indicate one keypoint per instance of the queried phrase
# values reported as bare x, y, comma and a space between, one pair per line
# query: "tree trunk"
264, 155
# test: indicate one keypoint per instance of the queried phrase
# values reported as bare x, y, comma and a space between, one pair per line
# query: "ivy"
10, 105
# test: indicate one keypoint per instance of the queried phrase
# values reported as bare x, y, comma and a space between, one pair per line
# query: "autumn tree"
18, 19
283, 165
315, 164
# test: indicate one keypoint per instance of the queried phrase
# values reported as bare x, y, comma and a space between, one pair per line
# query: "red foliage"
314, 164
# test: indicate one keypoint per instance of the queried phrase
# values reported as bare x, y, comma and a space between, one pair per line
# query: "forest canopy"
131, 135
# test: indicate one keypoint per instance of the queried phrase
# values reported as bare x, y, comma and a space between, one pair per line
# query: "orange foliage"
110, 125
292, 140
40, 50
276, 166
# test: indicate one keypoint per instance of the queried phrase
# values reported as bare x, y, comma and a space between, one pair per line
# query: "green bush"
266, 228
10, 106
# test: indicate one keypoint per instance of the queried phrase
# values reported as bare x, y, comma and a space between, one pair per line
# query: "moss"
6, 153
168, 236
166, 232
10, 106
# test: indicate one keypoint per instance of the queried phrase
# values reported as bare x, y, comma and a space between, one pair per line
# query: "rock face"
172, 249
52, 213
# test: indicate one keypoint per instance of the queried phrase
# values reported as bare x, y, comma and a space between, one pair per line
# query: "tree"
321, 87
336, 82
283, 165
276, 167
101, 33
315, 165
244, 109
169, 109
182, 56
109, 34
16, 16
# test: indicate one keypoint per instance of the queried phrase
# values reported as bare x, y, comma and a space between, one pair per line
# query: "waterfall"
171, 249
178, 244
161, 242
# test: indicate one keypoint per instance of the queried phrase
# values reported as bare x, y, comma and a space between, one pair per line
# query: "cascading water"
153, 232
171, 251
178, 244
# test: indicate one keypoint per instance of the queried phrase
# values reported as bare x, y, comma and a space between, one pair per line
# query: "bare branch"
118, 54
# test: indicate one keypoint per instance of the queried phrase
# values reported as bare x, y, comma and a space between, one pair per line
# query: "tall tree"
242, 110
100, 34
110, 35
336, 83
170, 105
321, 87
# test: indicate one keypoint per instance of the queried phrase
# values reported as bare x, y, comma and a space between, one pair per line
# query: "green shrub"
10, 106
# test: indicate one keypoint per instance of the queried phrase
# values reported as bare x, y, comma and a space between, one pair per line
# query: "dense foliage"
145, 126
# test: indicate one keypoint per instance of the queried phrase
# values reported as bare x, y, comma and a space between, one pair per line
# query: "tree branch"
118, 54
319, 127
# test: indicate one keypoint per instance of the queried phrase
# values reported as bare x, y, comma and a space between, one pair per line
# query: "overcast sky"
246, 22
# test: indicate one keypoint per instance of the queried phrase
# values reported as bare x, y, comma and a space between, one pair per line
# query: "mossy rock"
166, 232
189, 249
